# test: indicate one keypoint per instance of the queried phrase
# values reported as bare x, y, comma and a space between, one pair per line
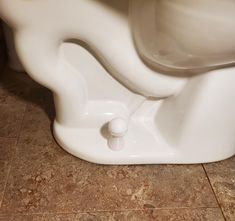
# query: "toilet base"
90, 145
193, 126
98, 78
143, 143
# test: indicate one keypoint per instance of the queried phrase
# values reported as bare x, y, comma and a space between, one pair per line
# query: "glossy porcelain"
123, 93
185, 35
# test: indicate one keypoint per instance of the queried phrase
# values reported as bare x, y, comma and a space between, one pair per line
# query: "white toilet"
134, 82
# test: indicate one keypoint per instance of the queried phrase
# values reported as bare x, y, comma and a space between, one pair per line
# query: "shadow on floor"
21, 86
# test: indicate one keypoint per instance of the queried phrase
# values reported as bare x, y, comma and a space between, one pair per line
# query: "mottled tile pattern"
222, 177
16, 91
7, 150
41, 181
37, 121
11, 118
210, 214
58, 182
12, 106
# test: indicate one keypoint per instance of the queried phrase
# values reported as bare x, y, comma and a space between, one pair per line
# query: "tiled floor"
41, 182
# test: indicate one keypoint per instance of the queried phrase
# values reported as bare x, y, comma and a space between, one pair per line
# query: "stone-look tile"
38, 104
7, 149
212, 214
36, 127
11, 115
45, 178
16, 91
64, 217
19, 86
206, 214
222, 178
11, 106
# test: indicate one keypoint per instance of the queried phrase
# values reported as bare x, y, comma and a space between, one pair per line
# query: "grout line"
217, 200
5, 185
107, 211
12, 157
6, 137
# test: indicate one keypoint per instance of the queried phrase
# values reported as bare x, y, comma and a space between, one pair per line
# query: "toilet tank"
183, 34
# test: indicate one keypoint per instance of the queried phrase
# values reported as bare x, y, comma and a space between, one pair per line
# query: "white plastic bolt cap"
118, 127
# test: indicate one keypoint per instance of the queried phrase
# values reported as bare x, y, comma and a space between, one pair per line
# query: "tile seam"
13, 156
217, 200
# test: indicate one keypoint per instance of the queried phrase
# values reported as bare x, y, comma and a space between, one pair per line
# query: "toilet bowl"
148, 85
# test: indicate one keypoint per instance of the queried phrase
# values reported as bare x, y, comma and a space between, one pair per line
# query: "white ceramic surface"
110, 96
183, 34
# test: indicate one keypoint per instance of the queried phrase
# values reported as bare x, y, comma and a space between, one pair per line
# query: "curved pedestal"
144, 142
194, 121
141, 147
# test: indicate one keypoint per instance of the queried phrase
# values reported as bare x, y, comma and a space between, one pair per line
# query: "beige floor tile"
222, 177
7, 150
17, 91
36, 127
11, 116
211, 214
14, 90
44, 178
